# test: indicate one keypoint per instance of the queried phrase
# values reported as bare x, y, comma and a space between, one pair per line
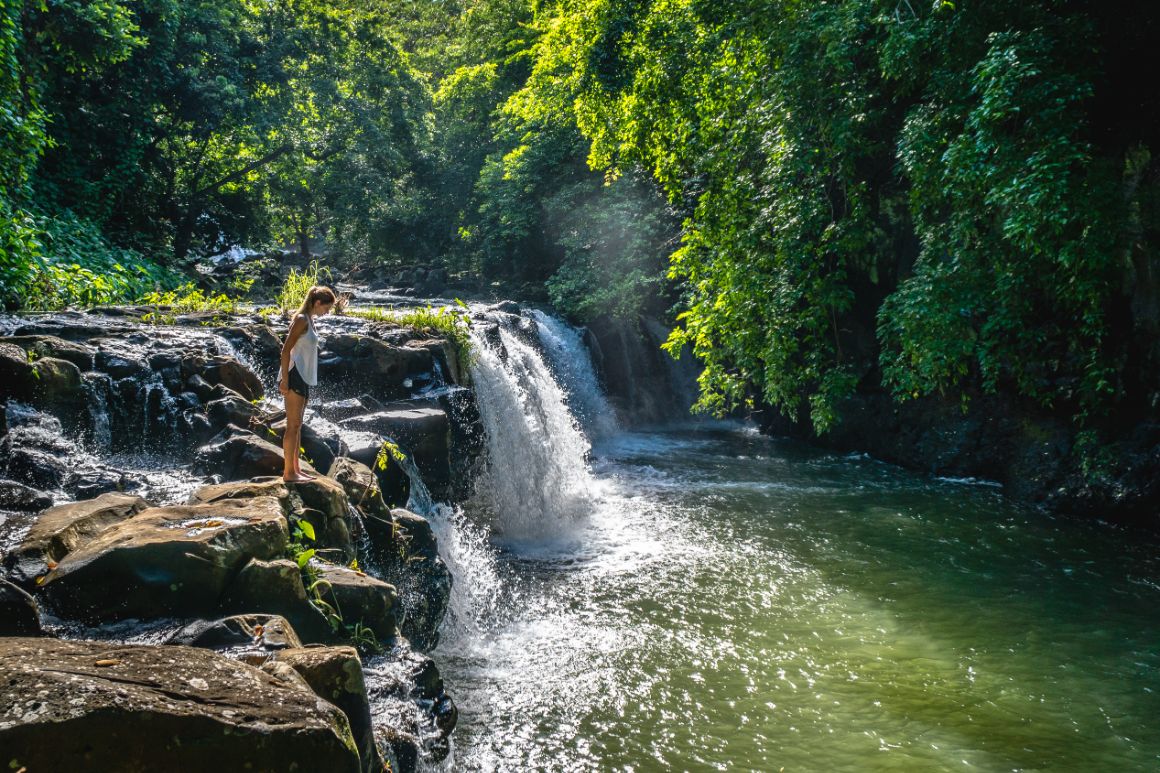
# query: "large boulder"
336, 675
166, 561
319, 450
47, 382
322, 502
393, 481
422, 432
19, 615
60, 530
100, 706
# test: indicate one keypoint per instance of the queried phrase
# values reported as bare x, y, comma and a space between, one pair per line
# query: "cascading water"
535, 481
572, 365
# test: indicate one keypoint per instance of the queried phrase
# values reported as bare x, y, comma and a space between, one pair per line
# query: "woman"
300, 372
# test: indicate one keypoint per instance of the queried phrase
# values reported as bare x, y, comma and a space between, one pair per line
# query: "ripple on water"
814, 613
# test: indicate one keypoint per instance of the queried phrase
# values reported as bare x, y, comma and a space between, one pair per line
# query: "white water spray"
572, 364
536, 480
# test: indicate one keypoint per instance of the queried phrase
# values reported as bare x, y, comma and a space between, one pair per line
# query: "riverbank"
144, 525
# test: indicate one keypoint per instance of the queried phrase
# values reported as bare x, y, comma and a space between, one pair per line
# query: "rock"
247, 489
119, 366
371, 365
19, 615
232, 374
320, 450
265, 633
202, 388
235, 454
52, 346
17, 496
406, 552
275, 587
322, 502
166, 561
361, 486
337, 410
394, 483
424, 433
258, 342
88, 484
36, 468
361, 600
234, 410
46, 382
61, 530
335, 674
100, 706
325, 506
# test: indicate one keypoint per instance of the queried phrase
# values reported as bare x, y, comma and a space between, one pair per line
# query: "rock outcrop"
99, 706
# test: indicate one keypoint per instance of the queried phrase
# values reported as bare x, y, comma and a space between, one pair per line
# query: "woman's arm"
297, 328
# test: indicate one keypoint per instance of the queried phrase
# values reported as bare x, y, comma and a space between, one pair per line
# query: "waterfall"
535, 481
572, 365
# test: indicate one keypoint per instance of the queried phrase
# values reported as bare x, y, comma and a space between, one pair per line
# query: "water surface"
735, 602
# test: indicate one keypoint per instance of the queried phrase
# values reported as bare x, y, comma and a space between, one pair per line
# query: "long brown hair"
315, 294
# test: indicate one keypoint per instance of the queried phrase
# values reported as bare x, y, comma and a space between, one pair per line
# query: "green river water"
733, 602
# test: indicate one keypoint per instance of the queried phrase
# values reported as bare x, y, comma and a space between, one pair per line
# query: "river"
728, 601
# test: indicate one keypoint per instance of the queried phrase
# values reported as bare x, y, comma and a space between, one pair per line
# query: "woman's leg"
292, 439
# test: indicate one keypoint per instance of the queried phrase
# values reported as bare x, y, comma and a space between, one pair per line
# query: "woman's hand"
284, 386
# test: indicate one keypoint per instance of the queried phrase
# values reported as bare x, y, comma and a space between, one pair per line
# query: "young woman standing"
299, 372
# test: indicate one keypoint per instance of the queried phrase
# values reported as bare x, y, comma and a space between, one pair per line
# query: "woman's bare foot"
297, 478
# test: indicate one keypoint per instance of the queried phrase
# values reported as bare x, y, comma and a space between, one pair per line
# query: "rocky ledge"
276, 601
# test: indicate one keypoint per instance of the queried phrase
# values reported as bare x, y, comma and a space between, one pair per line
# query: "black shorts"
296, 384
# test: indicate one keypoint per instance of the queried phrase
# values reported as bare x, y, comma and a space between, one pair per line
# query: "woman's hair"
315, 294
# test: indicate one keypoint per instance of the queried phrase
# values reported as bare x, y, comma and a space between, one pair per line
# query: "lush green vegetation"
933, 198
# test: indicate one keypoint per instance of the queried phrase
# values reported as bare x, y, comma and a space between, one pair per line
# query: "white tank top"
304, 355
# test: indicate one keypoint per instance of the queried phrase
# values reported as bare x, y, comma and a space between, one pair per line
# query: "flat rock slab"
98, 706
60, 530
166, 561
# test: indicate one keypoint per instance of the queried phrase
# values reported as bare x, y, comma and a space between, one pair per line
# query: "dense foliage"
935, 198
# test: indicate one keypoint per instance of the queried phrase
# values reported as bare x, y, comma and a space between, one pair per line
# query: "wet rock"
202, 388
373, 366
232, 374
52, 346
361, 486
89, 484
337, 410
335, 674
36, 468
259, 342
166, 561
247, 489
423, 432
361, 600
407, 553
62, 529
275, 587
231, 410
102, 706
261, 633
236, 454
394, 483
19, 615
320, 450
21, 498
119, 366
